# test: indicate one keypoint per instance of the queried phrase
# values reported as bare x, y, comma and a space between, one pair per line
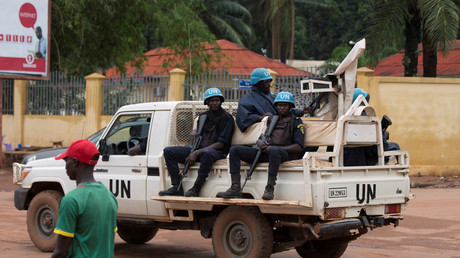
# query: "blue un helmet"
212, 92
260, 74
285, 97
358, 91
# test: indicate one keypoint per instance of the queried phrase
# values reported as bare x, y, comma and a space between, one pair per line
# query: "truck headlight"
20, 172
17, 173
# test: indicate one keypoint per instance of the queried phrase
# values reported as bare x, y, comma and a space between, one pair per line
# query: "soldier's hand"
266, 114
192, 157
265, 148
193, 135
263, 145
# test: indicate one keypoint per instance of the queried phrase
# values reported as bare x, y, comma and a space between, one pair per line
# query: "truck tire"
136, 235
42, 217
322, 249
242, 232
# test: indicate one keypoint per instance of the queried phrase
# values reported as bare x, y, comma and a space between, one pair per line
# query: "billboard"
24, 38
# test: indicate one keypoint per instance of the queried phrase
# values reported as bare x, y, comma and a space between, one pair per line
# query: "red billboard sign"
24, 39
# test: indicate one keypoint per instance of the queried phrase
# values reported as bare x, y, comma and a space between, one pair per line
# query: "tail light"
392, 208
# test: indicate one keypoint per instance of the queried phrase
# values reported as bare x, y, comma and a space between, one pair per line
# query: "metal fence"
228, 83
131, 88
8, 96
65, 95
62, 94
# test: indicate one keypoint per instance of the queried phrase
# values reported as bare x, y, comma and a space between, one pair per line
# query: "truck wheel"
136, 235
242, 232
42, 217
322, 249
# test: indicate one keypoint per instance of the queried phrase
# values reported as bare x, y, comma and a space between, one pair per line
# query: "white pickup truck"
319, 205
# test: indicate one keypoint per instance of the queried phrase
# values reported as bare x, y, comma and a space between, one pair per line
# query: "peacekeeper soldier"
215, 144
88, 214
258, 103
286, 143
367, 155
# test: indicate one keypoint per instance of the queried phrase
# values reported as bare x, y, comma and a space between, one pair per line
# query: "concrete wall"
426, 118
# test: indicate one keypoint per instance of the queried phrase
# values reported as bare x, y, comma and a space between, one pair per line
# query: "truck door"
124, 175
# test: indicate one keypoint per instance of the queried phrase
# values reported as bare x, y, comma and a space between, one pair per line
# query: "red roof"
447, 66
241, 59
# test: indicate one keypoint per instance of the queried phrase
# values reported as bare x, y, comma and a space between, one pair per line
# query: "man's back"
89, 213
252, 106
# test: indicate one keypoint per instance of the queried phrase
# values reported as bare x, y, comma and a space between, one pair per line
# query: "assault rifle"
195, 146
314, 105
266, 137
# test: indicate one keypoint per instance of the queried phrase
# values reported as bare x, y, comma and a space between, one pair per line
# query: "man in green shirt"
87, 215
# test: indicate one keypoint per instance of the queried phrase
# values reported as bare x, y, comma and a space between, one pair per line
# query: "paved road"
431, 228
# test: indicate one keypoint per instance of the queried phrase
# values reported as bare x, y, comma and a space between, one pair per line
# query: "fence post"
20, 102
272, 85
94, 97
176, 84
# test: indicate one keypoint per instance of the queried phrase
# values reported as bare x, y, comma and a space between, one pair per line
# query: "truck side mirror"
103, 150
102, 146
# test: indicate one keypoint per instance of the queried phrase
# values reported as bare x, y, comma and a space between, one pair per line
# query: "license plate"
338, 192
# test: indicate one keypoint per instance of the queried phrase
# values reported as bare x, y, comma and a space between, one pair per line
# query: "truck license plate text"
340, 192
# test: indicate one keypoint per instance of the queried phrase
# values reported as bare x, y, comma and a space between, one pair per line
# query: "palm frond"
220, 16
387, 27
226, 31
440, 20
230, 7
246, 32
325, 4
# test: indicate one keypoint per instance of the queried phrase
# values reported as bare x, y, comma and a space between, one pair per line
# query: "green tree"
228, 19
279, 18
433, 22
280, 15
324, 29
91, 36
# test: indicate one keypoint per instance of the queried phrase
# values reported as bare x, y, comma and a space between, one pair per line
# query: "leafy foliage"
91, 36
327, 26
275, 24
228, 19
434, 21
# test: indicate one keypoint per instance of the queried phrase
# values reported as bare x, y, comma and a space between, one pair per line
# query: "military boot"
175, 189
195, 190
235, 190
269, 193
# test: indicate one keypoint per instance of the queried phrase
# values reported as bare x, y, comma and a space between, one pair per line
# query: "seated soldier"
367, 155
286, 142
258, 103
216, 140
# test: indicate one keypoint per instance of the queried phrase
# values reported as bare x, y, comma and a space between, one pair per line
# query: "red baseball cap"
82, 150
